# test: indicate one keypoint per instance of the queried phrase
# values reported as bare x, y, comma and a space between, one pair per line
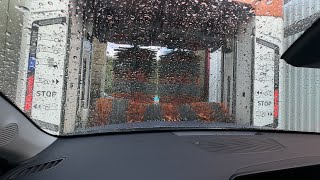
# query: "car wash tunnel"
142, 60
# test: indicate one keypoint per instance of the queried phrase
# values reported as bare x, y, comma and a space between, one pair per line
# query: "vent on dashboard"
238, 145
8, 133
35, 169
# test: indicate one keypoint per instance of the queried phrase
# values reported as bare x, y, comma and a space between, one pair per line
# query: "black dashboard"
184, 155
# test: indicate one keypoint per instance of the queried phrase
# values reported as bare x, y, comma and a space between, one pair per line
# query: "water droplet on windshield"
22, 8
204, 4
269, 2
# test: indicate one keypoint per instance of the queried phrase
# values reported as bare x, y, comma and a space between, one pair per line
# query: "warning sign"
46, 64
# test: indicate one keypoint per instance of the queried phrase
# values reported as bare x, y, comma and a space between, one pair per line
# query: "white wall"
215, 76
300, 105
244, 72
270, 30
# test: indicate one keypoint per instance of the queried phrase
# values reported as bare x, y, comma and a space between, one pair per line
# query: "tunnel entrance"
158, 51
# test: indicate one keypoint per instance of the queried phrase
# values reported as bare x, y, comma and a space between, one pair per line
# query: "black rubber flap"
305, 52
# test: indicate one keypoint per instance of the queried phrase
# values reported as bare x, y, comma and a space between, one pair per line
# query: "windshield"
84, 66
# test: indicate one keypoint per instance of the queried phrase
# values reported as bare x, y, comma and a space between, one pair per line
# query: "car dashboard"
184, 155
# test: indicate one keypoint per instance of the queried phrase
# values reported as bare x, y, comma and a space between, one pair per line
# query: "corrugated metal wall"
301, 86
